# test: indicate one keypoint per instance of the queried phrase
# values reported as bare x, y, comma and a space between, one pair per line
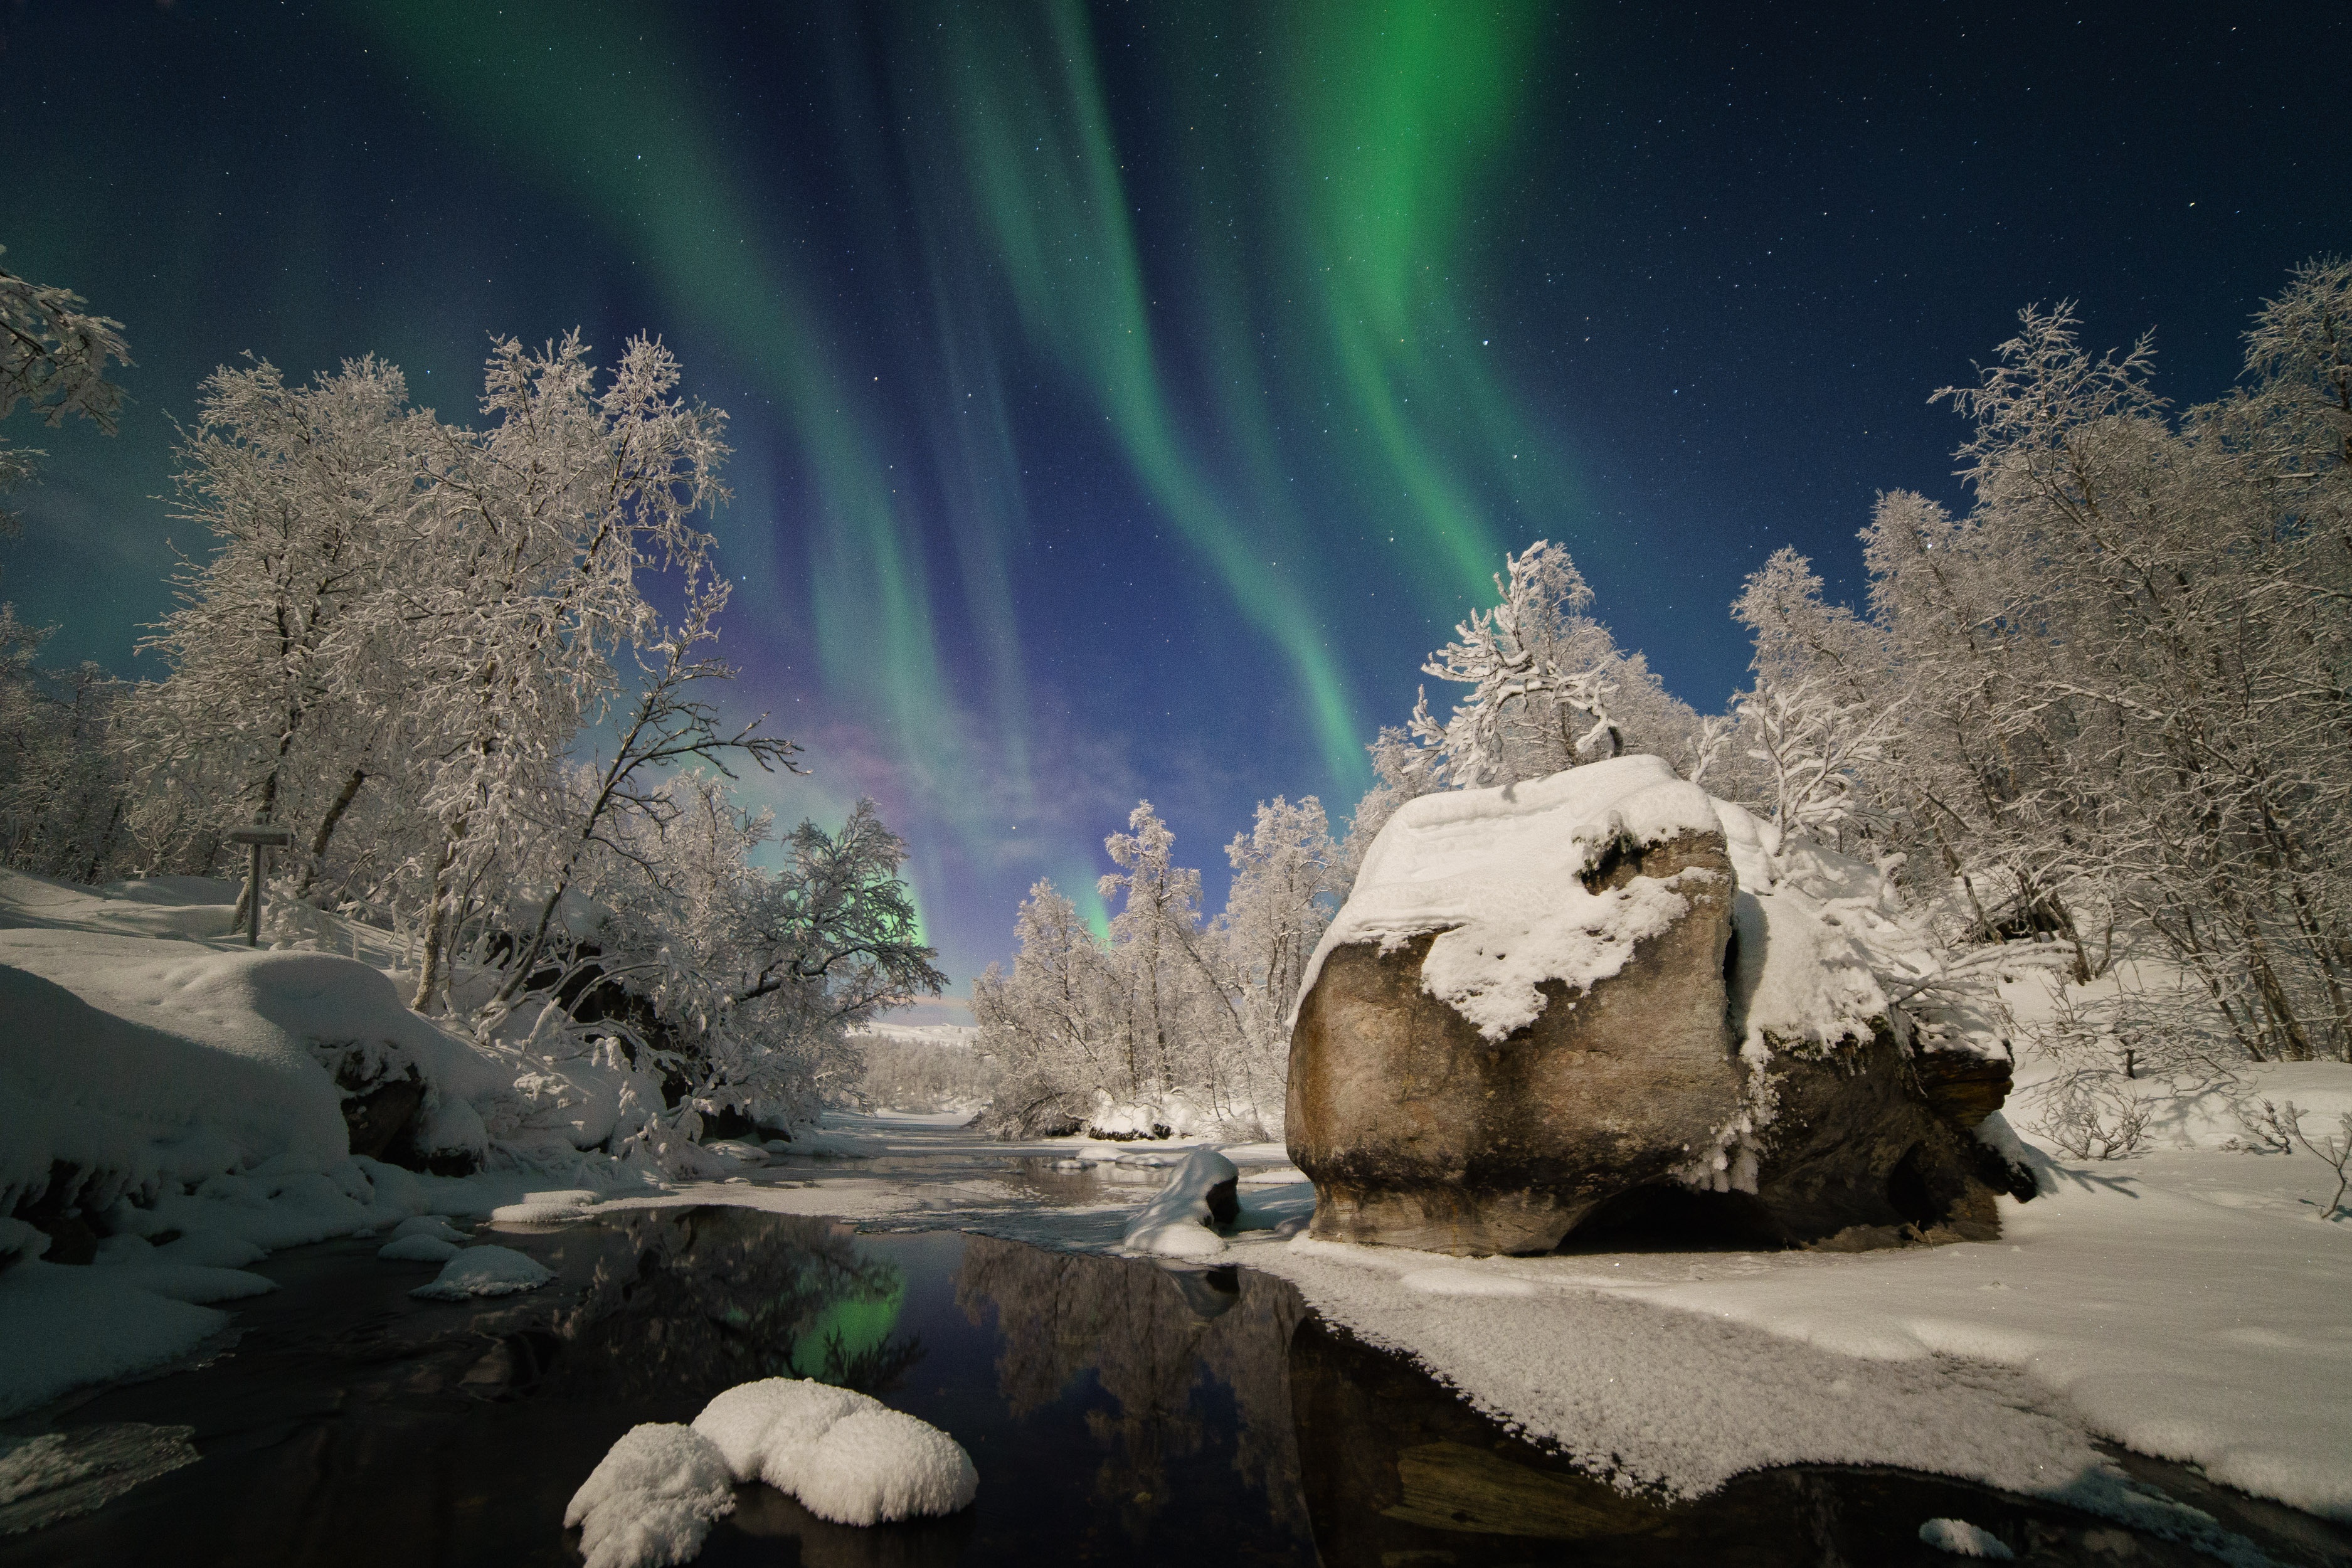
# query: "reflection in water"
727, 1295
1119, 1413
1155, 1342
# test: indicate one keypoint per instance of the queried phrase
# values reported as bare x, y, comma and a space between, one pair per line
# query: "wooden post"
261, 838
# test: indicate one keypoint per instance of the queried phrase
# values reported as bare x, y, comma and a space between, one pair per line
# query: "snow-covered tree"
62, 802
1548, 686
1284, 891
667, 723
1169, 1020
62, 793
542, 523
290, 675
1050, 1023
1400, 773
53, 359
1818, 716
2105, 704
1170, 1004
741, 982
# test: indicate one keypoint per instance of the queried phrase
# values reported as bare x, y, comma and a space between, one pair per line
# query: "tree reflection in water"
704, 1298
1162, 1345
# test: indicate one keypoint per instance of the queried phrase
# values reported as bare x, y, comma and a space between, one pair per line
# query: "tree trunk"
436, 920
327, 825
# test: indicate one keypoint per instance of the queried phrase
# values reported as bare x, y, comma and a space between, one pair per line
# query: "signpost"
261, 838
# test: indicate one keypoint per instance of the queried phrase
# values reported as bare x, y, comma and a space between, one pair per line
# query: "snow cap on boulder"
1501, 875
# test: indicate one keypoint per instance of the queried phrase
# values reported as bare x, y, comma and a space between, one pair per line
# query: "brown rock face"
1857, 1155
1418, 1132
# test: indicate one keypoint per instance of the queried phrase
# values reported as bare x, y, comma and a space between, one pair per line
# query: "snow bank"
1178, 1223
190, 1085
157, 1062
144, 1103
845, 1456
1497, 872
2188, 1304
88, 1323
1680, 1401
652, 1499
187, 908
485, 1272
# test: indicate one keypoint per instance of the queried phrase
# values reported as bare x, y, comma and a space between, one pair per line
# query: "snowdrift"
152, 1061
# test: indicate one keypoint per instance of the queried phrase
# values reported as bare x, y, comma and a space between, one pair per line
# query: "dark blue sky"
1126, 398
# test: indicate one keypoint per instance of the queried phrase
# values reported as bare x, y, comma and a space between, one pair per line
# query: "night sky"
1127, 399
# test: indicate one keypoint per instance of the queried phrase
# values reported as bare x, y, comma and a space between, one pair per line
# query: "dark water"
1118, 1412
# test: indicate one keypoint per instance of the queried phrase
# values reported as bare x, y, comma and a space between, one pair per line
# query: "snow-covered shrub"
2278, 1126
2090, 1115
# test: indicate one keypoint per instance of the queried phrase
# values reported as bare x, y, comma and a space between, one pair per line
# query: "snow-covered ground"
187, 1085
2187, 1302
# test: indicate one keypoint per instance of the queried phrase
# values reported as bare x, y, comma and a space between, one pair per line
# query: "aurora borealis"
1126, 397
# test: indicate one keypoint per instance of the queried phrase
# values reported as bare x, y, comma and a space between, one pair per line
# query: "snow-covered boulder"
1587, 990
1204, 1193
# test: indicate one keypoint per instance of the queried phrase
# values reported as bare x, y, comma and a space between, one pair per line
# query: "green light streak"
1330, 401
1033, 135
643, 166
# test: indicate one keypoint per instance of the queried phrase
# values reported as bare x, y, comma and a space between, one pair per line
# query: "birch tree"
541, 524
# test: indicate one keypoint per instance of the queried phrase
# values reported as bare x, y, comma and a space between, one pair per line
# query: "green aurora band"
1329, 164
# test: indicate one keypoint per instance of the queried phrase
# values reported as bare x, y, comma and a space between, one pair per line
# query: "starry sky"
1126, 397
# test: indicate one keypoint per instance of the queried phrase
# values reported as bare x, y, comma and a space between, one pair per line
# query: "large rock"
1561, 1005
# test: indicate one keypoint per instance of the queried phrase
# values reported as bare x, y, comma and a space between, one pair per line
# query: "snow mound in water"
652, 1499
546, 1208
1177, 1223
877, 1464
1961, 1539
847, 1457
484, 1271
742, 1420
417, 1248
